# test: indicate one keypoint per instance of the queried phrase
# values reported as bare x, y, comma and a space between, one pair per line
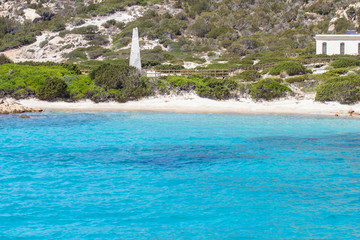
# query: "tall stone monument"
135, 59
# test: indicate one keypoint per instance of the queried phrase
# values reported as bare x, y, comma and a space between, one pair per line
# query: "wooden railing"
217, 73
222, 73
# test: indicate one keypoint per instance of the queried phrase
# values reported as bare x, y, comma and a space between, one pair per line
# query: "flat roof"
338, 37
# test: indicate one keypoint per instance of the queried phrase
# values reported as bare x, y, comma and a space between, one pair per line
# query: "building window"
342, 48
324, 48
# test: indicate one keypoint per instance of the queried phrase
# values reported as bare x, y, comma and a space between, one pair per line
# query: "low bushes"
344, 63
52, 89
91, 29
183, 83
248, 76
121, 81
297, 79
345, 90
291, 68
215, 88
74, 69
4, 59
15, 34
169, 67
92, 52
339, 71
21, 81
268, 89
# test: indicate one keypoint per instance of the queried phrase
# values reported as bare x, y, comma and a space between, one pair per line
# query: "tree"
125, 80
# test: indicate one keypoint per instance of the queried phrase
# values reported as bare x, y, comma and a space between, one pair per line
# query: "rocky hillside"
190, 33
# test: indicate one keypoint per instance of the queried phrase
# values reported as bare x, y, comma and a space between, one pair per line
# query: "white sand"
191, 103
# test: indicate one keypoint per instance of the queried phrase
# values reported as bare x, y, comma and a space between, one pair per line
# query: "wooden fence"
221, 73
217, 73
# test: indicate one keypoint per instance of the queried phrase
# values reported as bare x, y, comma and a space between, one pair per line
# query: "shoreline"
191, 103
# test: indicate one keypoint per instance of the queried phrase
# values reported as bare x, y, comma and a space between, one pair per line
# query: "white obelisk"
135, 59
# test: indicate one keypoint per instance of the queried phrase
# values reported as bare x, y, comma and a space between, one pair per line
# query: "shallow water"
179, 176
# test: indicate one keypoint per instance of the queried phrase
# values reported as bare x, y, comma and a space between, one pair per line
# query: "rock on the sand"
7, 107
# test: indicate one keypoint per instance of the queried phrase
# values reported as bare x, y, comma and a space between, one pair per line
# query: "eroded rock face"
7, 107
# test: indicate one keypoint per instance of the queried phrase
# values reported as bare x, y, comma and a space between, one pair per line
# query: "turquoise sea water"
179, 176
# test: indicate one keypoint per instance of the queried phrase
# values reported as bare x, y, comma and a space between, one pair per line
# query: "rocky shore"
7, 107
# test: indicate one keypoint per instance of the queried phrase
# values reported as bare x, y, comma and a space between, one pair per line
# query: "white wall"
333, 46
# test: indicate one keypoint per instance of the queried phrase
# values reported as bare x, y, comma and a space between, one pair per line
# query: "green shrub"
169, 67
78, 21
13, 34
345, 90
248, 76
149, 63
95, 52
344, 63
296, 79
122, 42
22, 93
67, 46
342, 24
291, 68
124, 78
76, 53
216, 32
183, 83
57, 26
323, 76
43, 43
73, 68
97, 40
195, 60
52, 89
339, 71
268, 89
4, 59
215, 88
91, 29
200, 28
45, 13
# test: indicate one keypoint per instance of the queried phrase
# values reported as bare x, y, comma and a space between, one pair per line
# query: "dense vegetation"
223, 34
53, 88
269, 30
268, 89
106, 82
344, 63
119, 82
290, 68
342, 89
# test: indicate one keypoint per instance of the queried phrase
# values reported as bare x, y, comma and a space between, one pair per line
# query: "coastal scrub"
268, 89
52, 89
291, 68
345, 90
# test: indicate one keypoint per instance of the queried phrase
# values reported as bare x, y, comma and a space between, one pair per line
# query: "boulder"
8, 106
24, 116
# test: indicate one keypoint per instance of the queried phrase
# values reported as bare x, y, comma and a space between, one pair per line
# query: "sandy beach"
191, 103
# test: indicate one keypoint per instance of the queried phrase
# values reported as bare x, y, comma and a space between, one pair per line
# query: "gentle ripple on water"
179, 176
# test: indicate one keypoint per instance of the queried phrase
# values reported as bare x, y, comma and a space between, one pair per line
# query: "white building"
348, 44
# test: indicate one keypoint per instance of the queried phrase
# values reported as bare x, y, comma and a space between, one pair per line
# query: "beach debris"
8, 107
